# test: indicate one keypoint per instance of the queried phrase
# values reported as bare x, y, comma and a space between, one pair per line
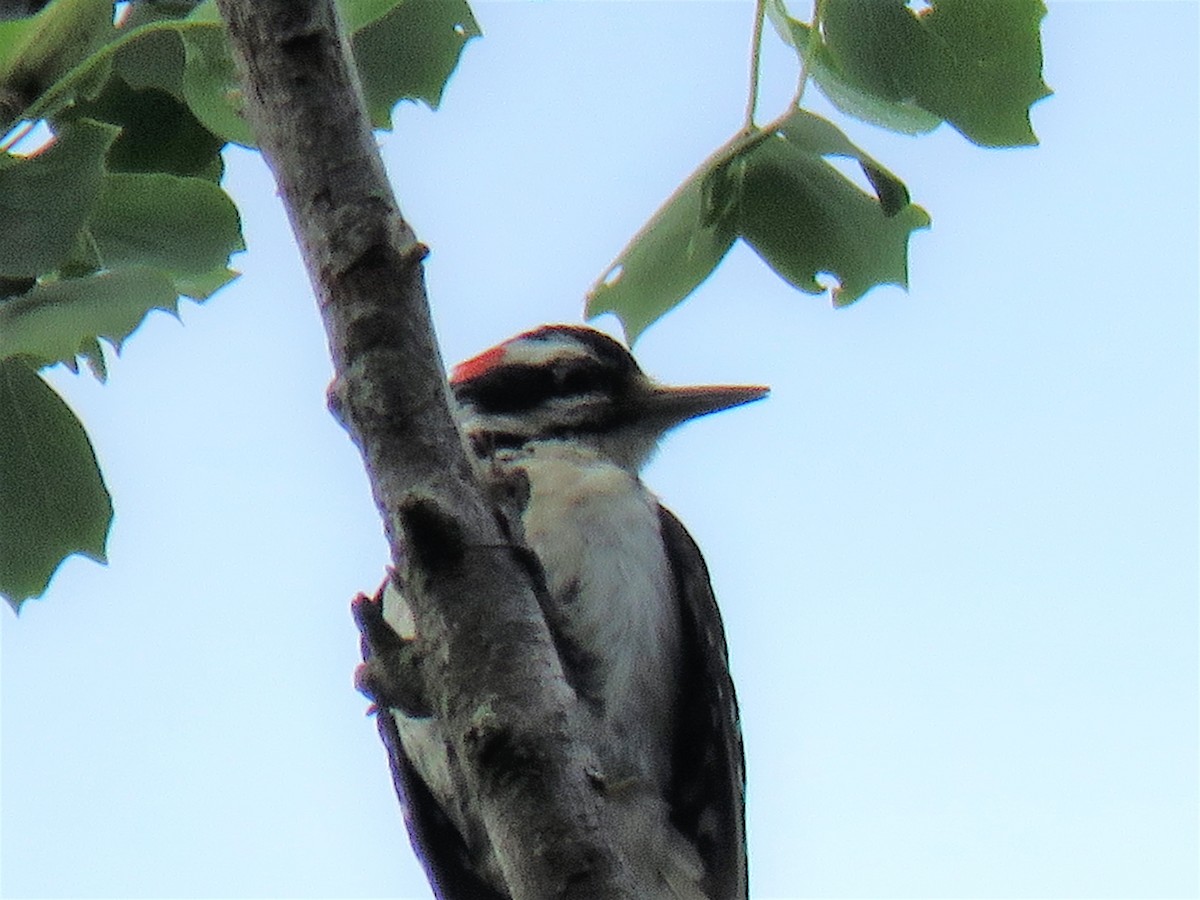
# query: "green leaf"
814, 134
803, 217
901, 116
905, 117
983, 68
204, 285
358, 14
36, 52
671, 256
187, 227
973, 63
211, 85
45, 199
58, 321
777, 191
155, 59
410, 53
875, 44
155, 236
53, 502
159, 133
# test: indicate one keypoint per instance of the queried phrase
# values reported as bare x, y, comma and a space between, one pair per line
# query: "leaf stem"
760, 11
813, 31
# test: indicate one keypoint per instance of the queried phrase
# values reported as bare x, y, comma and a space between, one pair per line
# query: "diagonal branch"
493, 675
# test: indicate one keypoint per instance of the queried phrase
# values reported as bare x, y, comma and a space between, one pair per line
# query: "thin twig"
760, 11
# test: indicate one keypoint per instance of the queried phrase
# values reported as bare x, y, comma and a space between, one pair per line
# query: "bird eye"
579, 381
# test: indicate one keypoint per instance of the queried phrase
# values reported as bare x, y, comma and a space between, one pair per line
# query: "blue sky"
956, 549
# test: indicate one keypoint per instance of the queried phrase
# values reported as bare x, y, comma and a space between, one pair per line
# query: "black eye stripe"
516, 388
585, 378
507, 389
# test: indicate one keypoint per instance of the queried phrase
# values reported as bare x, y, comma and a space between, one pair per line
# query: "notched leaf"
804, 218
983, 68
672, 254
776, 190
976, 65
58, 321
53, 502
409, 52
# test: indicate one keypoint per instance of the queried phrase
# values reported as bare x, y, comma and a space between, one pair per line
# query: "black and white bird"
568, 410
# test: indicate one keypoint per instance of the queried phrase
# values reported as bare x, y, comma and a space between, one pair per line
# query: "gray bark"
492, 671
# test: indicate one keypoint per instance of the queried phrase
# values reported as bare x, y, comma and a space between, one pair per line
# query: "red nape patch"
476, 365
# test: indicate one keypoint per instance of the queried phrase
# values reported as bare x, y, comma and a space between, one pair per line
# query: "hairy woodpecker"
569, 412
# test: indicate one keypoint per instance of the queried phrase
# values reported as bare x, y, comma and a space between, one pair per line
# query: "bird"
567, 411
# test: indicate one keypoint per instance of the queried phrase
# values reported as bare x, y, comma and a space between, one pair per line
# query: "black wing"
708, 790
439, 846
436, 841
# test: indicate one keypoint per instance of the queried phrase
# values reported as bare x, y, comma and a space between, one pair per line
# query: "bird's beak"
672, 405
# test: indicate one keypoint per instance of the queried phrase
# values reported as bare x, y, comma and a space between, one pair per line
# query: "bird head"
572, 383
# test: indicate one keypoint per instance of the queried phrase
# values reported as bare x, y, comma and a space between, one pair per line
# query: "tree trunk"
492, 673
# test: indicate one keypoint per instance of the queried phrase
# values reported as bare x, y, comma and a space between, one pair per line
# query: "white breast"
594, 527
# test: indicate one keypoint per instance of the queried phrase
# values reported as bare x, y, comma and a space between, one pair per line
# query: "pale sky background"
956, 550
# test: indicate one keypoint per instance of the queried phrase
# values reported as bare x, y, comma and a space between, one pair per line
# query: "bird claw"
390, 675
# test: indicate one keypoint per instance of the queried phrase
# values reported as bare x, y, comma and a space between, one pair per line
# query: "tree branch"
493, 675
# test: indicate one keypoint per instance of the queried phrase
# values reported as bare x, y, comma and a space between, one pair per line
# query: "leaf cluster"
120, 212
974, 64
